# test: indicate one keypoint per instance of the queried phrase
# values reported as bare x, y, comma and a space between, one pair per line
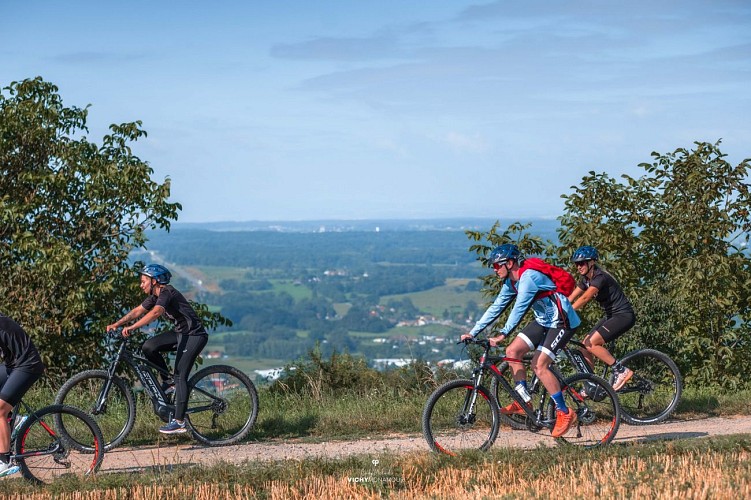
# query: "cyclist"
553, 326
188, 337
619, 314
21, 367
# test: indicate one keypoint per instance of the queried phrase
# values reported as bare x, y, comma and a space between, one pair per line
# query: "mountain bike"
649, 397
222, 401
463, 414
55, 441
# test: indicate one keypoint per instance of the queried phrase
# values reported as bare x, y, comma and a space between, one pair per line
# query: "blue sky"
301, 110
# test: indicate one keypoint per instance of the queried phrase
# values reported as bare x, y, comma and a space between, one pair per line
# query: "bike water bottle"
522, 391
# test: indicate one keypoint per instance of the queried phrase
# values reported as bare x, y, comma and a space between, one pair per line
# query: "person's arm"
584, 299
575, 294
134, 314
527, 290
150, 316
502, 301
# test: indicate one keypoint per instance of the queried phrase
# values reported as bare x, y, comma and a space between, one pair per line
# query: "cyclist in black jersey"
619, 314
21, 367
187, 338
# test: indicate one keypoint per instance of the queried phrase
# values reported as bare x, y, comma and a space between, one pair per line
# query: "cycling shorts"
14, 383
548, 340
615, 326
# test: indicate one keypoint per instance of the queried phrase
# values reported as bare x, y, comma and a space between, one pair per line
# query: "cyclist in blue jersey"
554, 325
188, 337
21, 367
596, 283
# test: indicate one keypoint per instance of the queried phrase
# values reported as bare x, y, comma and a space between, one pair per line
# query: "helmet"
160, 273
505, 252
585, 253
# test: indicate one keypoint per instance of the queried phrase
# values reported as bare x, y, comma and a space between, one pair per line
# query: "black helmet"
585, 253
505, 252
160, 273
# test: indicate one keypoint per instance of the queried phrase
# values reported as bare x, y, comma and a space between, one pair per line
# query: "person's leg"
521, 345
188, 349
13, 385
555, 340
155, 346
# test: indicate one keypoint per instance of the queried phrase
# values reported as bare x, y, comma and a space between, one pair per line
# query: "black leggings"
14, 383
188, 347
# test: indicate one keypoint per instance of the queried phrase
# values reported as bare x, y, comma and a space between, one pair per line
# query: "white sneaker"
621, 378
8, 469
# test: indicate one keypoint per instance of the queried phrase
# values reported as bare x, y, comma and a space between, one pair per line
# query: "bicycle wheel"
451, 424
598, 414
222, 405
654, 390
58, 441
116, 417
517, 422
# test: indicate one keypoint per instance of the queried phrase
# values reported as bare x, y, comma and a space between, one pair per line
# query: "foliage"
676, 238
72, 211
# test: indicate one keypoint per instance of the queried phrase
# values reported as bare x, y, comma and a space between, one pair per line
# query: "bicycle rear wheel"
58, 441
118, 414
452, 424
598, 413
222, 405
654, 390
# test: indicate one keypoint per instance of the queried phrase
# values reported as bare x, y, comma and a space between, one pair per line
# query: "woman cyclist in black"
188, 337
21, 367
619, 314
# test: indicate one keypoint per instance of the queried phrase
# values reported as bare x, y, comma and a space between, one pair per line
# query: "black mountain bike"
222, 400
463, 414
55, 441
649, 397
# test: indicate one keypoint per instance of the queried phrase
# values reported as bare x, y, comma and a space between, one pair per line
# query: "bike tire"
654, 391
229, 401
450, 429
516, 422
118, 417
598, 417
58, 441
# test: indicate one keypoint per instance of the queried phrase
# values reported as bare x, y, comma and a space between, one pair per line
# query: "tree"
72, 212
676, 238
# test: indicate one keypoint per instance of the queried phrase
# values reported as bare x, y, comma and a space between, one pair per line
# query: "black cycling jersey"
177, 309
18, 351
610, 295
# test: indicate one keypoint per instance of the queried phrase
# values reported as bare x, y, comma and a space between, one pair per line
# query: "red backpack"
564, 282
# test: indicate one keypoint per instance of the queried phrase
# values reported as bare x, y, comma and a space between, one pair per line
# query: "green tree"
676, 238
72, 211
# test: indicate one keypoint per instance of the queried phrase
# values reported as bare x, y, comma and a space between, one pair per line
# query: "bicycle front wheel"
654, 390
222, 405
59, 441
597, 410
115, 415
456, 418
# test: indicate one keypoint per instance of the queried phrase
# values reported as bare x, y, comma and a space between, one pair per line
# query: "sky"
390, 109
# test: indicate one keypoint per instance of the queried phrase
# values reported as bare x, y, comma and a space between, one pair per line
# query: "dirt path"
167, 454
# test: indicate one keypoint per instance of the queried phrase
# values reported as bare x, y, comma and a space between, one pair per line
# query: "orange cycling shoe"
563, 422
514, 409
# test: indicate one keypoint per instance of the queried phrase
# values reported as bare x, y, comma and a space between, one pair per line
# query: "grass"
720, 468
451, 296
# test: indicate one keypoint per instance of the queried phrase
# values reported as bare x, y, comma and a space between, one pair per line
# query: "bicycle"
456, 419
55, 441
650, 397
222, 400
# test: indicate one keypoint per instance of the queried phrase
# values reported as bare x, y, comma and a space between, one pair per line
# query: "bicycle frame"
142, 367
30, 412
489, 363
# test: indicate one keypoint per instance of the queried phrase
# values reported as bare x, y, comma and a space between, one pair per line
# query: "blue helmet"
505, 252
585, 253
160, 273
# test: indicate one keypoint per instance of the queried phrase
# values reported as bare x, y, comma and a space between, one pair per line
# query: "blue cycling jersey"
546, 310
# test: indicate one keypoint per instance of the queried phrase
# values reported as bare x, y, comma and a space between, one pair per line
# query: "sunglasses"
498, 265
